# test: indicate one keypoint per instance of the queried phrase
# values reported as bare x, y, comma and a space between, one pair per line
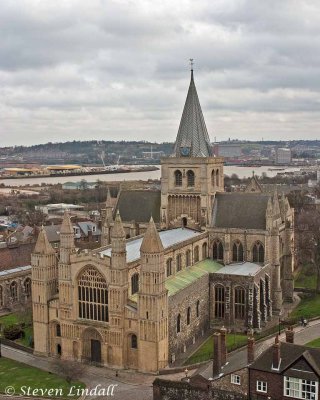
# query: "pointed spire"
117, 230
192, 139
66, 226
43, 245
151, 242
108, 201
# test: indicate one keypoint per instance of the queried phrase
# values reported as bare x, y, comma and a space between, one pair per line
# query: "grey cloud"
119, 69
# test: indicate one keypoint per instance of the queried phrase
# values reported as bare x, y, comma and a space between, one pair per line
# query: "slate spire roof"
151, 242
192, 134
43, 246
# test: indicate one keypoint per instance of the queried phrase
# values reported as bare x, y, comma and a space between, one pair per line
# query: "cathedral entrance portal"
96, 351
91, 346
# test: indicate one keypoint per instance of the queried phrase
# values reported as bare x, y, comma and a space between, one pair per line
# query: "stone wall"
178, 304
174, 390
225, 383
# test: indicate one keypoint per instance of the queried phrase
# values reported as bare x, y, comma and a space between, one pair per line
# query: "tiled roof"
139, 205
289, 354
192, 132
240, 210
168, 238
189, 275
16, 256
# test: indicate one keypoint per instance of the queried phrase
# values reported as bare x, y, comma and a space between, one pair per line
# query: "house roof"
168, 238
139, 205
16, 256
192, 131
240, 210
290, 353
53, 232
87, 226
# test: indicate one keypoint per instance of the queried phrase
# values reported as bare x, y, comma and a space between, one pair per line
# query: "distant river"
242, 172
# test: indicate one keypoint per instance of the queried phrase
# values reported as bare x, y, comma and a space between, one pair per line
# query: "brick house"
285, 371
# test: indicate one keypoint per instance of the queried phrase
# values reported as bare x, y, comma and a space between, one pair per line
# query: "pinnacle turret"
151, 242
117, 230
43, 245
192, 139
66, 226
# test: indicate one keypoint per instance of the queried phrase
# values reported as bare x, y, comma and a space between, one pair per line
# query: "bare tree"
309, 238
71, 371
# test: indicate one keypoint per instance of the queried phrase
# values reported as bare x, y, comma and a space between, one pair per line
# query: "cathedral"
209, 259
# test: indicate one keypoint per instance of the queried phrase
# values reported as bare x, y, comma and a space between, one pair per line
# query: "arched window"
217, 250
204, 250
134, 342
178, 178
258, 253
93, 296
213, 178
217, 178
58, 330
239, 302
1, 296
178, 323
179, 262
188, 315
14, 291
196, 254
198, 308
135, 283
237, 251
219, 301
188, 258
27, 287
169, 266
190, 178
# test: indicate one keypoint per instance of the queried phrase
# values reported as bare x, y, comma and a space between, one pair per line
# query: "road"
137, 386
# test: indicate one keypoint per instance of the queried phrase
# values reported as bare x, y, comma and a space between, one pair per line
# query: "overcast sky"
102, 69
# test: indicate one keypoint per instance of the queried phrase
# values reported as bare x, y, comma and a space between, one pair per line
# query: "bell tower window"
178, 178
190, 178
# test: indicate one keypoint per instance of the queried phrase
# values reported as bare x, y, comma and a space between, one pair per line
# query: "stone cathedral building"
218, 259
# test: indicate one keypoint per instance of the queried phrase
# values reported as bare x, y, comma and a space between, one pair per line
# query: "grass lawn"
21, 376
306, 277
12, 319
314, 343
205, 352
309, 307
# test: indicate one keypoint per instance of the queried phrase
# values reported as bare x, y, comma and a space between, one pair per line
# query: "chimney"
250, 349
276, 354
223, 333
290, 335
216, 368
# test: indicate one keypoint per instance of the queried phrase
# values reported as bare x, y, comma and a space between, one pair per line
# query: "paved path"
136, 386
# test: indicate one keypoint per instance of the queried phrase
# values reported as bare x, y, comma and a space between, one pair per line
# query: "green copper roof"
189, 275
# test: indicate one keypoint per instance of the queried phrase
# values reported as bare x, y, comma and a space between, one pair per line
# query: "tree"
309, 238
71, 371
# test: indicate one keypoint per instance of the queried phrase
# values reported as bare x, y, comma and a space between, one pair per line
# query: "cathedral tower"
67, 248
44, 287
191, 177
152, 304
118, 287
107, 221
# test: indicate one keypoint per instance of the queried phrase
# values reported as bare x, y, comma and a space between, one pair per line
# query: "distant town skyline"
119, 70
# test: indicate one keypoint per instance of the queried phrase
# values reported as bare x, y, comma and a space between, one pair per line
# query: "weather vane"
191, 63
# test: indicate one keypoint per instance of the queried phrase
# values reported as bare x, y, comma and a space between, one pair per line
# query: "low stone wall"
173, 390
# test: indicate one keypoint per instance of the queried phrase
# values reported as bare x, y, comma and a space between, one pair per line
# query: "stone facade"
156, 294
15, 289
